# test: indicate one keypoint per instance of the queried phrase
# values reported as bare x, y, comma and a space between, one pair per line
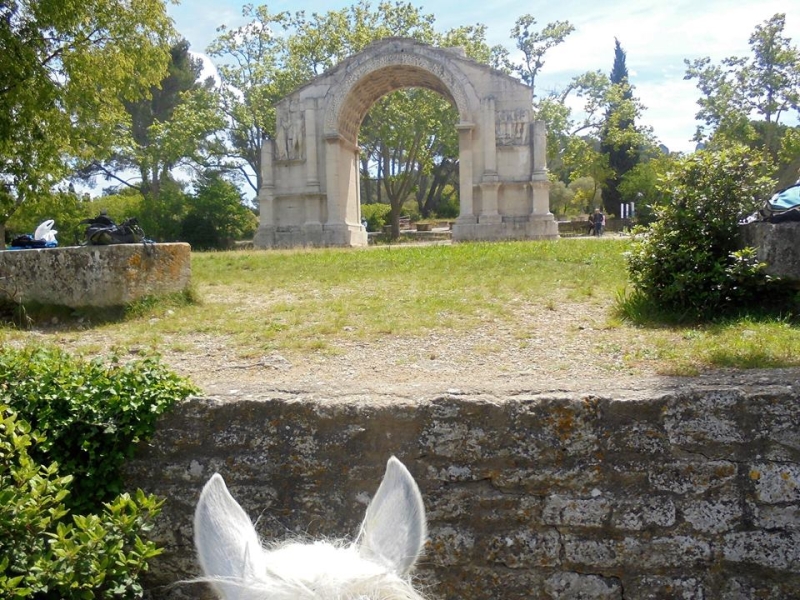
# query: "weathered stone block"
777, 245
95, 276
576, 585
776, 483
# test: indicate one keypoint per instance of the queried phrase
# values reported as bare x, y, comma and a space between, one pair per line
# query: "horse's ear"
226, 541
394, 530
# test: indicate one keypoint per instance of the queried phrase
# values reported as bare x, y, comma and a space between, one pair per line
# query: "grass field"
307, 301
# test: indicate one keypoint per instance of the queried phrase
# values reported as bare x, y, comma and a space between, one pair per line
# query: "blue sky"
656, 35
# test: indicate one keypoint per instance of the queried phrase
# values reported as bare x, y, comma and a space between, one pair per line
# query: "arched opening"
392, 91
408, 155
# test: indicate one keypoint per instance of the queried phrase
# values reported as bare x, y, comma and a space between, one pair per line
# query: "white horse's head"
374, 567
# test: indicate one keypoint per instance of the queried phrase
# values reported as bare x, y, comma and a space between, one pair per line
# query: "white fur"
375, 567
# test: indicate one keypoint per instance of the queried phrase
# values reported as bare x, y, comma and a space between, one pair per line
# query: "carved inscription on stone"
511, 127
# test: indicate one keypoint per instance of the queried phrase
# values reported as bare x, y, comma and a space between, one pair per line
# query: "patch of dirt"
567, 349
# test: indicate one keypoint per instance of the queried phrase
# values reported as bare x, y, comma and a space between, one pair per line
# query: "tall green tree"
618, 135
535, 44
749, 100
66, 69
217, 216
173, 127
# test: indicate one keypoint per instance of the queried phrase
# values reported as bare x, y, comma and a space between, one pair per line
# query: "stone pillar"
489, 139
333, 187
266, 195
466, 214
310, 116
539, 180
265, 235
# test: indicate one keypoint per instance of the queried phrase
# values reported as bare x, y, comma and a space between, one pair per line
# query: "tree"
217, 216
535, 44
746, 100
67, 67
171, 128
618, 134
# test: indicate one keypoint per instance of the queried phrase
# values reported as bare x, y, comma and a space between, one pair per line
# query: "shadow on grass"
760, 336
32, 314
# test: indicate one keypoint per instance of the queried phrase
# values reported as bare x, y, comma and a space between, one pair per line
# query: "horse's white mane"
375, 567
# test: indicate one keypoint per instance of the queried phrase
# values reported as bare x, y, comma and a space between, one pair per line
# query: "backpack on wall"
783, 206
102, 231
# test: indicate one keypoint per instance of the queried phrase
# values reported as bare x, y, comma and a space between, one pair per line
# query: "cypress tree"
622, 156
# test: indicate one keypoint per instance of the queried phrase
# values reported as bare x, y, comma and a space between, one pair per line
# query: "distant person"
599, 221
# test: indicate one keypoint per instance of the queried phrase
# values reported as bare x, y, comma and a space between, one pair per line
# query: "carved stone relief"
511, 127
290, 136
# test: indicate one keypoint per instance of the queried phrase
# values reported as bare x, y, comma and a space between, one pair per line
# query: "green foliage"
640, 185
68, 66
448, 207
162, 215
688, 263
587, 194
376, 215
217, 217
535, 44
91, 415
745, 99
119, 205
47, 551
562, 199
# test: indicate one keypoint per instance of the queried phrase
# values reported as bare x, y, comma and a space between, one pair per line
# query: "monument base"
535, 227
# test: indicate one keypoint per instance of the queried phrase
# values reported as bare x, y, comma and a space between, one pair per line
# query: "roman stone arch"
310, 178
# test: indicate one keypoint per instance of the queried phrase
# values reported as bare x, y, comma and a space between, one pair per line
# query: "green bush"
48, 552
688, 263
217, 217
377, 215
91, 414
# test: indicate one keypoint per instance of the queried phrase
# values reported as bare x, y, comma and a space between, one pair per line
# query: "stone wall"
692, 492
98, 276
777, 245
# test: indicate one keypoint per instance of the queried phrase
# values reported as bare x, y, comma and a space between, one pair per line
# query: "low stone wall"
98, 276
683, 493
777, 245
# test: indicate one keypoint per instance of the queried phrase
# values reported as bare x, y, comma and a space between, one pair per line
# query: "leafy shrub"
448, 207
376, 215
91, 414
688, 263
217, 216
47, 552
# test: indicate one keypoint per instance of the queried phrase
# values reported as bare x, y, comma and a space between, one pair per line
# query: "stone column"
310, 116
266, 194
465, 140
332, 187
489, 141
539, 180
265, 235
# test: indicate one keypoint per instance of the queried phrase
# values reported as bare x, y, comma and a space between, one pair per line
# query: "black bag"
27, 241
102, 231
783, 206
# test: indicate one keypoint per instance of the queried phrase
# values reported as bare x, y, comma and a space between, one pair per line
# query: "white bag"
45, 231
